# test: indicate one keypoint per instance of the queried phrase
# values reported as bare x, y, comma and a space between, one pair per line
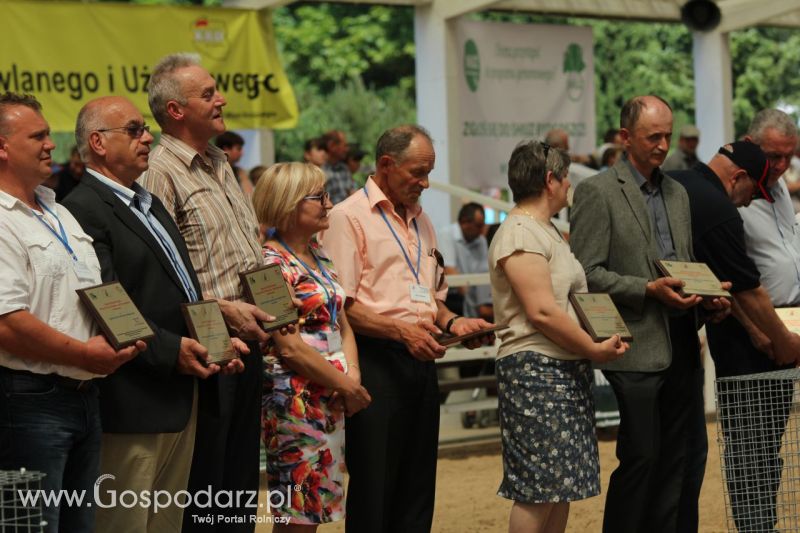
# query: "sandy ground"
468, 478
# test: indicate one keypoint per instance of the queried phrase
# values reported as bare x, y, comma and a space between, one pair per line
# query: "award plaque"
698, 278
599, 316
265, 288
115, 313
207, 327
448, 340
790, 317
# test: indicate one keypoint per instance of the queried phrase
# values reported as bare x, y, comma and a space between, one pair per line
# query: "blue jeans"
52, 429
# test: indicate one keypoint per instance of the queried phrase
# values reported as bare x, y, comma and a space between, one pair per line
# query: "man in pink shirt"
384, 249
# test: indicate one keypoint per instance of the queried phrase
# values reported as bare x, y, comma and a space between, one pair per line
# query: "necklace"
547, 227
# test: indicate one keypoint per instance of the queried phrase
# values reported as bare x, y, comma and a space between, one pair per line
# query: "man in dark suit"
624, 219
149, 407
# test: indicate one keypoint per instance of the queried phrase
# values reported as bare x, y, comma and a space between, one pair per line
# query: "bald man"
148, 409
624, 219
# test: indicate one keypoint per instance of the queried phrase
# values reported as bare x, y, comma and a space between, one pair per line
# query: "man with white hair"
744, 347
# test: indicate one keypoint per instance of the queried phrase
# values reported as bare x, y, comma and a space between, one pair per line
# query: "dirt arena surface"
468, 479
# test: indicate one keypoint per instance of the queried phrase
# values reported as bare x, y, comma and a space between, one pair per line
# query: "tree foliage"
330, 44
352, 66
326, 45
363, 114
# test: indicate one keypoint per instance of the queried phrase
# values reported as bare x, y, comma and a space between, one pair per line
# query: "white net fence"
15, 516
758, 432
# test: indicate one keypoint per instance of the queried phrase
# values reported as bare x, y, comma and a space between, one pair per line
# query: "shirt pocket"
46, 259
84, 250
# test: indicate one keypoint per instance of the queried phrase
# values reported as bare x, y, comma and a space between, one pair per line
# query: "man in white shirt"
753, 462
49, 418
465, 251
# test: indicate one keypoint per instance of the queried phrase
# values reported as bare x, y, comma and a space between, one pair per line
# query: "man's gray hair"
87, 122
771, 118
394, 142
163, 86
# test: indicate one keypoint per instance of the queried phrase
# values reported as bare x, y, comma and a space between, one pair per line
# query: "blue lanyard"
400, 244
62, 238
331, 305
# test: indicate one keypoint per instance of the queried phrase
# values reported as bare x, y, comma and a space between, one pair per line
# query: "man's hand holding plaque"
697, 278
211, 349
265, 288
116, 314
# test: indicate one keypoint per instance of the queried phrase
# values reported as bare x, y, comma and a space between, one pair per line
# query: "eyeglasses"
134, 131
323, 198
436, 254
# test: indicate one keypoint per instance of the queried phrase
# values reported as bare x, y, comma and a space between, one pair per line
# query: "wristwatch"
450, 322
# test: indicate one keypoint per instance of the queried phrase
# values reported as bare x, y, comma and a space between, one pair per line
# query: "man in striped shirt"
197, 186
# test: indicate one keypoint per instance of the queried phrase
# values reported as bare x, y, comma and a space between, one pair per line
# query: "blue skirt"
547, 427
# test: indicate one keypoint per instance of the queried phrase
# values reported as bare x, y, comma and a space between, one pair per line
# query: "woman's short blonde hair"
281, 188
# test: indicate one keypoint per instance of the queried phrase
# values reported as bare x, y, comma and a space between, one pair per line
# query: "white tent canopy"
436, 69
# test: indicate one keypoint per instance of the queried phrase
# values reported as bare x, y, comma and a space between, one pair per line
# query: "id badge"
420, 293
334, 340
85, 276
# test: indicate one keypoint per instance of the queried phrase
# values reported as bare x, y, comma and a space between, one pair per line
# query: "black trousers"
391, 446
656, 409
696, 454
227, 447
754, 414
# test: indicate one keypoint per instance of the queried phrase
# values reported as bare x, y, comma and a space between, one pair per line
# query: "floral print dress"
304, 439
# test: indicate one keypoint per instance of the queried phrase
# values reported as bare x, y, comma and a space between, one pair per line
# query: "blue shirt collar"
124, 193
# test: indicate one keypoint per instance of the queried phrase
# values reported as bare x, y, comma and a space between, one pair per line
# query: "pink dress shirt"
369, 261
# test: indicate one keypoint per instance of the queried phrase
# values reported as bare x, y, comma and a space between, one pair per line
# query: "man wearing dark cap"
685, 156
738, 173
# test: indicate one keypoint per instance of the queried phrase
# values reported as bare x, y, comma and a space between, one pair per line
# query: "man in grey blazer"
624, 219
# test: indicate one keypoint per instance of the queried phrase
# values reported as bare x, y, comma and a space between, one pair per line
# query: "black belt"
60, 381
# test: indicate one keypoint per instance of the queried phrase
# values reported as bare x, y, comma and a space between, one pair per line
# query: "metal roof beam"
626, 9
255, 4
448, 9
738, 15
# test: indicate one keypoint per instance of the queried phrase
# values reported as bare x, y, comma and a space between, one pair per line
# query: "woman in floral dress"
543, 362
311, 376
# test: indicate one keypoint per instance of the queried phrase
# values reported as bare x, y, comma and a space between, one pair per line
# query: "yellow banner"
69, 53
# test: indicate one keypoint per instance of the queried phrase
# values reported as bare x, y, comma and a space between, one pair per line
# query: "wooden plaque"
207, 326
116, 314
699, 279
599, 316
447, 340
265, 288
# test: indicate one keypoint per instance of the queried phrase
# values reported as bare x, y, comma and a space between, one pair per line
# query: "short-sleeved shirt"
717, 228
216, 220
520, 233
468, 258
314, 291
370, 261
772, 236
37, 274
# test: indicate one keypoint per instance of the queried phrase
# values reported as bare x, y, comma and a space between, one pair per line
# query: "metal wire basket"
15, 515
758, 432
